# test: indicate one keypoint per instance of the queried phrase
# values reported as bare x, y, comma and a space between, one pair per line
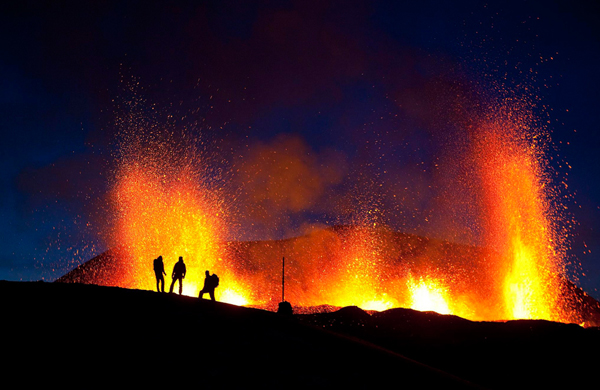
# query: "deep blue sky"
333, 77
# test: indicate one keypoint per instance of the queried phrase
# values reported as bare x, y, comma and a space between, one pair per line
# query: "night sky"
355, 90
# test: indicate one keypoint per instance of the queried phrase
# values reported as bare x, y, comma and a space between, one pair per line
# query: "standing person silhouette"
210, 283
159, 271
178, 274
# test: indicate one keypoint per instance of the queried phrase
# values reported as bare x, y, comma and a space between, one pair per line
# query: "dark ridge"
85, 335
521, 354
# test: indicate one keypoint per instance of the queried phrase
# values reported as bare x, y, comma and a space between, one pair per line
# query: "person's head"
160, 258
207, 273
180, 258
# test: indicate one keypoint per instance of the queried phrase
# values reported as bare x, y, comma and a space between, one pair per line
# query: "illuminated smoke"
281, 179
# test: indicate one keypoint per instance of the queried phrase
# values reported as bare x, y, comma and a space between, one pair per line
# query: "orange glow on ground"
380, 305
358, 275
233, 296
428, 295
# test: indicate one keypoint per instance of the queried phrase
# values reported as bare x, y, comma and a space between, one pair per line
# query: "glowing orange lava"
358, 279
428, 295
164, 209
519, 221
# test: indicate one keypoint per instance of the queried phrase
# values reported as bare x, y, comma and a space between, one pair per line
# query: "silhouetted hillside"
519, 354
85, 336
82, 335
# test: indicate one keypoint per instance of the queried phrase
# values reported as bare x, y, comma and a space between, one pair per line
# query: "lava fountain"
164, 215
519, 221
167, 210
356, 278
166, 204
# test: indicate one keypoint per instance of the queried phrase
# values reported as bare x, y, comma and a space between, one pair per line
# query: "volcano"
311, 259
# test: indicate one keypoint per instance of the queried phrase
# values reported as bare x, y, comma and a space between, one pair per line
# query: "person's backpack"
215, 280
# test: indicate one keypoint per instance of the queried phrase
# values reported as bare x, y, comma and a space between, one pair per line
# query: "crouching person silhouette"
178, 274
210, 283
159, 271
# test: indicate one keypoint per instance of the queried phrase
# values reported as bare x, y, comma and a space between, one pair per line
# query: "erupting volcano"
302, 194
166, 203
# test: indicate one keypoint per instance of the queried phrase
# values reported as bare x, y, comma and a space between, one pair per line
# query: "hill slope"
89, 335
515, 354
79, 335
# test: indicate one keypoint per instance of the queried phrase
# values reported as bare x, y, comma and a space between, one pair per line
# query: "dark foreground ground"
78, 335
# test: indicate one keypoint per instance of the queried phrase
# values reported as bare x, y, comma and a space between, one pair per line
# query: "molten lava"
428, 295
518, 221
168, 216
164, 206
358, 274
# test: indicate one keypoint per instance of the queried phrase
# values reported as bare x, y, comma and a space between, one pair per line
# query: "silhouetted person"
178, 274
159, 271
210, 283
